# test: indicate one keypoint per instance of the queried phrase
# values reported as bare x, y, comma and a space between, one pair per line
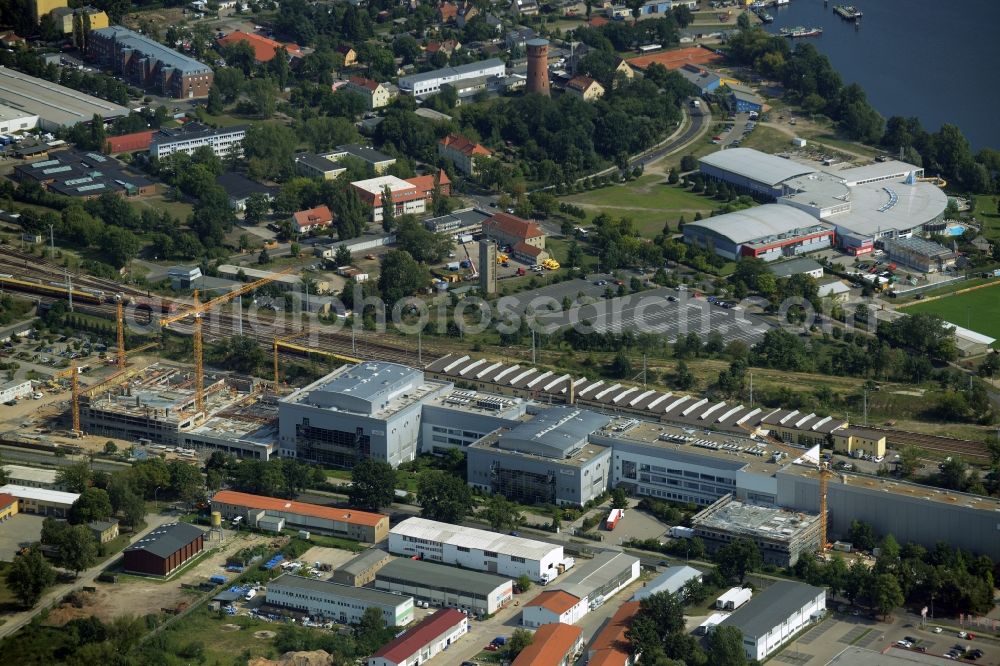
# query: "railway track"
965, 448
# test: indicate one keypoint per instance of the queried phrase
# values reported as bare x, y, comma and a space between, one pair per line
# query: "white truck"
696, 103
679, 532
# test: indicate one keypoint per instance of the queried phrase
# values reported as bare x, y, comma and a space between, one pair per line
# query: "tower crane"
197, 312
73, 372
120, 321
824, 487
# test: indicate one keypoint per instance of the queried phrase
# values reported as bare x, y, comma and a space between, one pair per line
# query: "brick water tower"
538, 66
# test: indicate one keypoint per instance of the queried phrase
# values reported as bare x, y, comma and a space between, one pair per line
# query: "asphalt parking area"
18, 531
792, 657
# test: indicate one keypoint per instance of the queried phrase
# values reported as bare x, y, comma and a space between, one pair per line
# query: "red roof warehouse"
127, 143
163, 550
432, 635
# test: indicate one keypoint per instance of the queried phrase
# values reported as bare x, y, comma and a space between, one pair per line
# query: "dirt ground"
335, 557
138, 596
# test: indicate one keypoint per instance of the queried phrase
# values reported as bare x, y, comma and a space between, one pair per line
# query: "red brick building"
164, 550
148, 64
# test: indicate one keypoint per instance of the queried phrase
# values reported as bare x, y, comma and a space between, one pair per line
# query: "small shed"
799, 142
271, 524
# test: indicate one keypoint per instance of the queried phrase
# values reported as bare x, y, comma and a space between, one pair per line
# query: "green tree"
725, 646
909, 460
264, 257
215, 105
401, 276
619, 498
373, 485
519, 639
443, 497
257, 208
886, 594
862, 535
78, 550
524, 583
342, 257
75, 478
186, 482
738, 558
621, 366
388, 209
29, 575
133, 510
501, 513
683, 377
93, 504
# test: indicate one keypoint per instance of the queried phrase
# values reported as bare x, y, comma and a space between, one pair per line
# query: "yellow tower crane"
197, 311
824, 488
285, 343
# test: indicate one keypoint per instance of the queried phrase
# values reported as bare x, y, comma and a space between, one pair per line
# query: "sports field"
648, 200
976, 310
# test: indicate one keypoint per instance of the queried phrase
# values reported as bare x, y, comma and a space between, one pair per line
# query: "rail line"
937, 443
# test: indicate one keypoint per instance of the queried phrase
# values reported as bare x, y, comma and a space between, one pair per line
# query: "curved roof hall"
751, 224
756, 165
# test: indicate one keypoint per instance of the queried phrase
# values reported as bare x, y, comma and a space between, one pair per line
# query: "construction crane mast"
197, 311
120, 321
72, 373
824, 487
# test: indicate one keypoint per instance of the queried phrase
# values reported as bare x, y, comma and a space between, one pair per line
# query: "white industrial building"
431, 636
343, 603
41, 501
585, 588
554, 607
429, 83
477, 549
16, 120
14, 390
774, 615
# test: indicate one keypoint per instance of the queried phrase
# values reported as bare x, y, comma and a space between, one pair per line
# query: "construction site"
158, 405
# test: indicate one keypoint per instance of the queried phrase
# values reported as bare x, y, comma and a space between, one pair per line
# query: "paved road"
700, 119
14, 454
17, 620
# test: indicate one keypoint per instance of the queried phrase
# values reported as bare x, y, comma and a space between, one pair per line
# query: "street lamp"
156, 502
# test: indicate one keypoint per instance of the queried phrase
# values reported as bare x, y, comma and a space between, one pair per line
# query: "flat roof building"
774, 615
343, 603
476, 549
923, 255
361, 570
429, 83
375, 159
548, 459
350, 523
407, 198
192, 136
16, 120
368, 410
441, 585
41, 501
466, 220
164, 550
55, 106
599, 578
431, 636
82, 175
780, 535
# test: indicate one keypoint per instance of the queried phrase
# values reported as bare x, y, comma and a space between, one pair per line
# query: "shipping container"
613, 518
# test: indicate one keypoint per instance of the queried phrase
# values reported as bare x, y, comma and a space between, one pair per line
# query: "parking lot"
664, 312
19, 531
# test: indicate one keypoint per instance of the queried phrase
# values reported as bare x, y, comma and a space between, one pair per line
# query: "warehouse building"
600, 578
15, 389
15, 120
55, 106
781, 536
342, 603
361, 570
148, 64
440, 585
377, 160
164, 550
672, 580
548, 459
477, 549
371, 410
463, 221
774, 615
429, 83
41, 501
431, 636
349, 523
555, 644
192, 136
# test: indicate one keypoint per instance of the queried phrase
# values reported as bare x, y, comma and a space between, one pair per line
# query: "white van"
250, 594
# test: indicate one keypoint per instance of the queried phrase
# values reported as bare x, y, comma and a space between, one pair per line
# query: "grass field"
648, 201
159, 202
767, 140
988, 216
977, 310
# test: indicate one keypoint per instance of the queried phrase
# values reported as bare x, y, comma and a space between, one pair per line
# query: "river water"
938, 60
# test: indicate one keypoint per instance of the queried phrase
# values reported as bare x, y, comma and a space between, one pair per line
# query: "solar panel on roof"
89, 188
78, 181
58, 169
97, 157
46, 163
